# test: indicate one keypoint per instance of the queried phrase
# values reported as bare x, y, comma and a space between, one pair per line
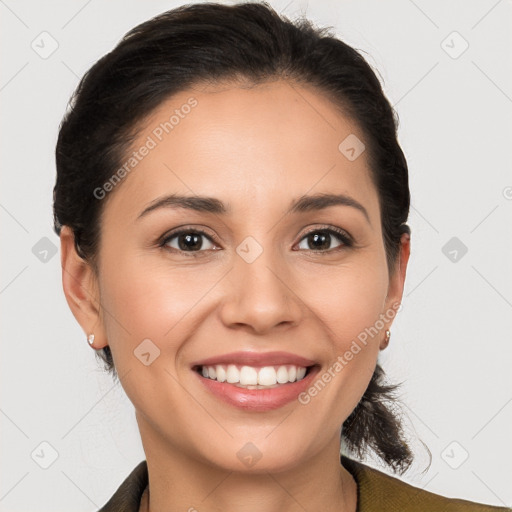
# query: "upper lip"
256, 359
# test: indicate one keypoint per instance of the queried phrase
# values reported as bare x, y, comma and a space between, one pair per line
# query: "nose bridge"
258, 294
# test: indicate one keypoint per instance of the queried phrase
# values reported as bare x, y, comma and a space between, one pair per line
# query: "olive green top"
376, 492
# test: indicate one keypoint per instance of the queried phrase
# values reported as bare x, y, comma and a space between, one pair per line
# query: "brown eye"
323, 240
189, 241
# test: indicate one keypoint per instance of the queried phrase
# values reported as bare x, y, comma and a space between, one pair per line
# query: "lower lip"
259, 399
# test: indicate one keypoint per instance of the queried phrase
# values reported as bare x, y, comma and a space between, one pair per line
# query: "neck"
179, 482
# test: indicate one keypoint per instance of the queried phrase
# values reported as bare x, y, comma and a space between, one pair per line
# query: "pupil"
320, 241
190, 241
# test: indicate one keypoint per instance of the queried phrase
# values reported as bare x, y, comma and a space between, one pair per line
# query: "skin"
256, 149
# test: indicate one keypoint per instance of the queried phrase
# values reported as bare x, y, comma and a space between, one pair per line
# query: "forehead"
248, 146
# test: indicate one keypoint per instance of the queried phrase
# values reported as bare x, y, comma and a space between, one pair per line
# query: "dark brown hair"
249, 43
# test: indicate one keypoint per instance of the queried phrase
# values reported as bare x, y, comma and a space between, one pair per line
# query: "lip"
251, 358
259, 399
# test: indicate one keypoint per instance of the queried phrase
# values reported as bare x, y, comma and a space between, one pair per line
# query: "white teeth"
282, 375
221, 373
252, 377
267, 376
248, 376
232, 374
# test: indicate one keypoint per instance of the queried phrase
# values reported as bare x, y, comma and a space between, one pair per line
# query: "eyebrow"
196, 203
321, 201
212, 205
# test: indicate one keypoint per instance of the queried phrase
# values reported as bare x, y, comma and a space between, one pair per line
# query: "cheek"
148, 300
355, 311
348, 300
348, 304
144, 302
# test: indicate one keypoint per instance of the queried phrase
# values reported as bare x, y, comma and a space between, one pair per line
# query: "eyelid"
343, 235
346, 239
165, 238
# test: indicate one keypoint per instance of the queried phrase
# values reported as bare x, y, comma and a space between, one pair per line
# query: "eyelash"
342, 236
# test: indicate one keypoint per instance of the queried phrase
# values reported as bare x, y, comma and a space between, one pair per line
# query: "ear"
397, 278
79, 282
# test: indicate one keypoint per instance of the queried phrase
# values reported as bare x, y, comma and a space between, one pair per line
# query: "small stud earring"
90, 339
385, 343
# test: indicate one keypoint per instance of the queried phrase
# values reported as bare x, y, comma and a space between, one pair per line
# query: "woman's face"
265, 276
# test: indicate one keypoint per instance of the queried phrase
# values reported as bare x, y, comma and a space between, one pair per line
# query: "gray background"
451, 341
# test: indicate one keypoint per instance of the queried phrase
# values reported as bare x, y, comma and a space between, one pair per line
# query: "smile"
251, 377
256, 381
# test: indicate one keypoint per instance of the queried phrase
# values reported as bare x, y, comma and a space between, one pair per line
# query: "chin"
258, 456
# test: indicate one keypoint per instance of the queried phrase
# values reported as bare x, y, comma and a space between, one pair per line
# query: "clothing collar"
370, 483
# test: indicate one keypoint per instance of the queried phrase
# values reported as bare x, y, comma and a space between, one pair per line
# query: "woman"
232, 202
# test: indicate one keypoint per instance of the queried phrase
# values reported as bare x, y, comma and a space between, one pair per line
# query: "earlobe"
79, 283
385, 342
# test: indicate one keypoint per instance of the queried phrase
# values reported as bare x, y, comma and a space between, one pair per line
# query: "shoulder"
382, 492
128, 495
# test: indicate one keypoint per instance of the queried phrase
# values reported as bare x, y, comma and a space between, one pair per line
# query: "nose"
259, 296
